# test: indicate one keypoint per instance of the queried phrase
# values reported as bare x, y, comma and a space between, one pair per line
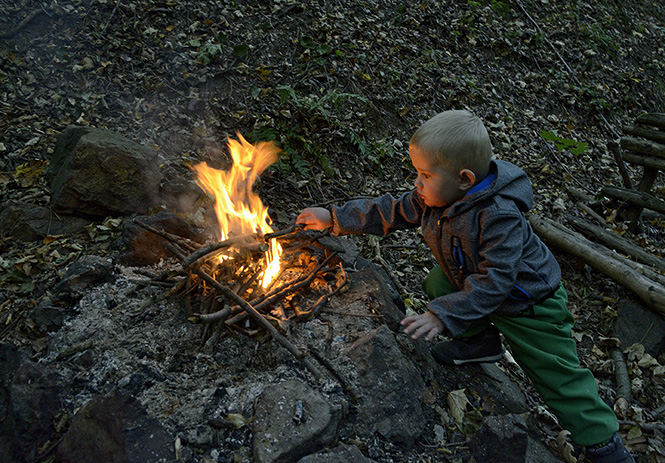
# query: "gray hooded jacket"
482, 242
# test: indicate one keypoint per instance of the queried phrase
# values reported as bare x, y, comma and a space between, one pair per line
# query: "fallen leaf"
238, 420
457, 403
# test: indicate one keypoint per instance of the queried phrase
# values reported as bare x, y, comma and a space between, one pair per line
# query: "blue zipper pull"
458, 255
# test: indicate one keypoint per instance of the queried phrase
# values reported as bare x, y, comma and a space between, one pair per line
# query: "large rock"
141, 247
292, 420
82, 275
637, 324
506, 439
501, 438
30, 399
115, 428
98, 173
392, 388
31, 222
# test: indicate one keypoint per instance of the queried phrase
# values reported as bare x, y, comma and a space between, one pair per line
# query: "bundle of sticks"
225, 282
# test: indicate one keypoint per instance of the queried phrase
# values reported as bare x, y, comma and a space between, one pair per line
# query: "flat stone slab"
292, 420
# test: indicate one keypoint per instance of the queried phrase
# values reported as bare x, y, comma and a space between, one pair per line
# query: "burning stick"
254, 314
268, 299
243, 241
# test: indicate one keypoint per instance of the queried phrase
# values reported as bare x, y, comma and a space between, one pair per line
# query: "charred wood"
204, 253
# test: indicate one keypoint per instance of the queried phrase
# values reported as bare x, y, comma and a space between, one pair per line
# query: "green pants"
541, 343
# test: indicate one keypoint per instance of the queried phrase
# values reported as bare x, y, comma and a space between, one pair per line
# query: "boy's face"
438, 186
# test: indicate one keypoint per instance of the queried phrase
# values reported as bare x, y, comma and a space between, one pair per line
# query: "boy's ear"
467, 179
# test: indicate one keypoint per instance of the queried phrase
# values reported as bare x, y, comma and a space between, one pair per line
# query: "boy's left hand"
426, 324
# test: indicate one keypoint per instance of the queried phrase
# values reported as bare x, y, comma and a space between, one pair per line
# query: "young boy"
494, 273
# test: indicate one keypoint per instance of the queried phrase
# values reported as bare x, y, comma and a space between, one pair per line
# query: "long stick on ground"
646, 289
252, 312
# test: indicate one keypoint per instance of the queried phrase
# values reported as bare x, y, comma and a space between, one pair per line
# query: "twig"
556, 52
287, 231
117, 4
12, 32
254, 314
322, 301
201, 254
347, 386
184, 242
290, 287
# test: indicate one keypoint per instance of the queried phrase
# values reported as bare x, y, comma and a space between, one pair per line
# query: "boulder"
142, 247
292, 420
505, 438
392, 388
83, 274
31, 222
638, 324
115, 428
501, 438
99, 173
30, 400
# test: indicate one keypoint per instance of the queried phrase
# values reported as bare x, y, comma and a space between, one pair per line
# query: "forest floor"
340, 87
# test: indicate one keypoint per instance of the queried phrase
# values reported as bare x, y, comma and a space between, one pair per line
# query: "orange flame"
239, 209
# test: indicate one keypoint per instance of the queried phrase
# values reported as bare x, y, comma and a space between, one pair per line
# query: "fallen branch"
636, 198
12, 32
623, 170
646, 289
621, 375
639, 268
617, 242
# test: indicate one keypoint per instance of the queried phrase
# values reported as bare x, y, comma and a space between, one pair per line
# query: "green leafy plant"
317, 51
209, 52
560, 143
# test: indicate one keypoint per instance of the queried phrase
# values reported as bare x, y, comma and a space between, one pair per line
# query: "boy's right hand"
315, 218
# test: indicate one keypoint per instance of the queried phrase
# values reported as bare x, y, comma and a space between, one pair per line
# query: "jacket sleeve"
486, 288
378, 216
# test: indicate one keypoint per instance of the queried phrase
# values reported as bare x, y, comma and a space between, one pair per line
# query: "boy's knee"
437, 284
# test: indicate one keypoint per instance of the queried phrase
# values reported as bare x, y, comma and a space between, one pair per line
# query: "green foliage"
377, 153
209, 52
322, 107
317, 51
241, 50
561, 144
298, 154
398, 20
500, 7
599, 39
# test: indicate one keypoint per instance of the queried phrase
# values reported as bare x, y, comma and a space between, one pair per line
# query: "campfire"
253, 279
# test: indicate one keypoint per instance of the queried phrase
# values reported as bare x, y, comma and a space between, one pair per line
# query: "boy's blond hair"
458, 139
